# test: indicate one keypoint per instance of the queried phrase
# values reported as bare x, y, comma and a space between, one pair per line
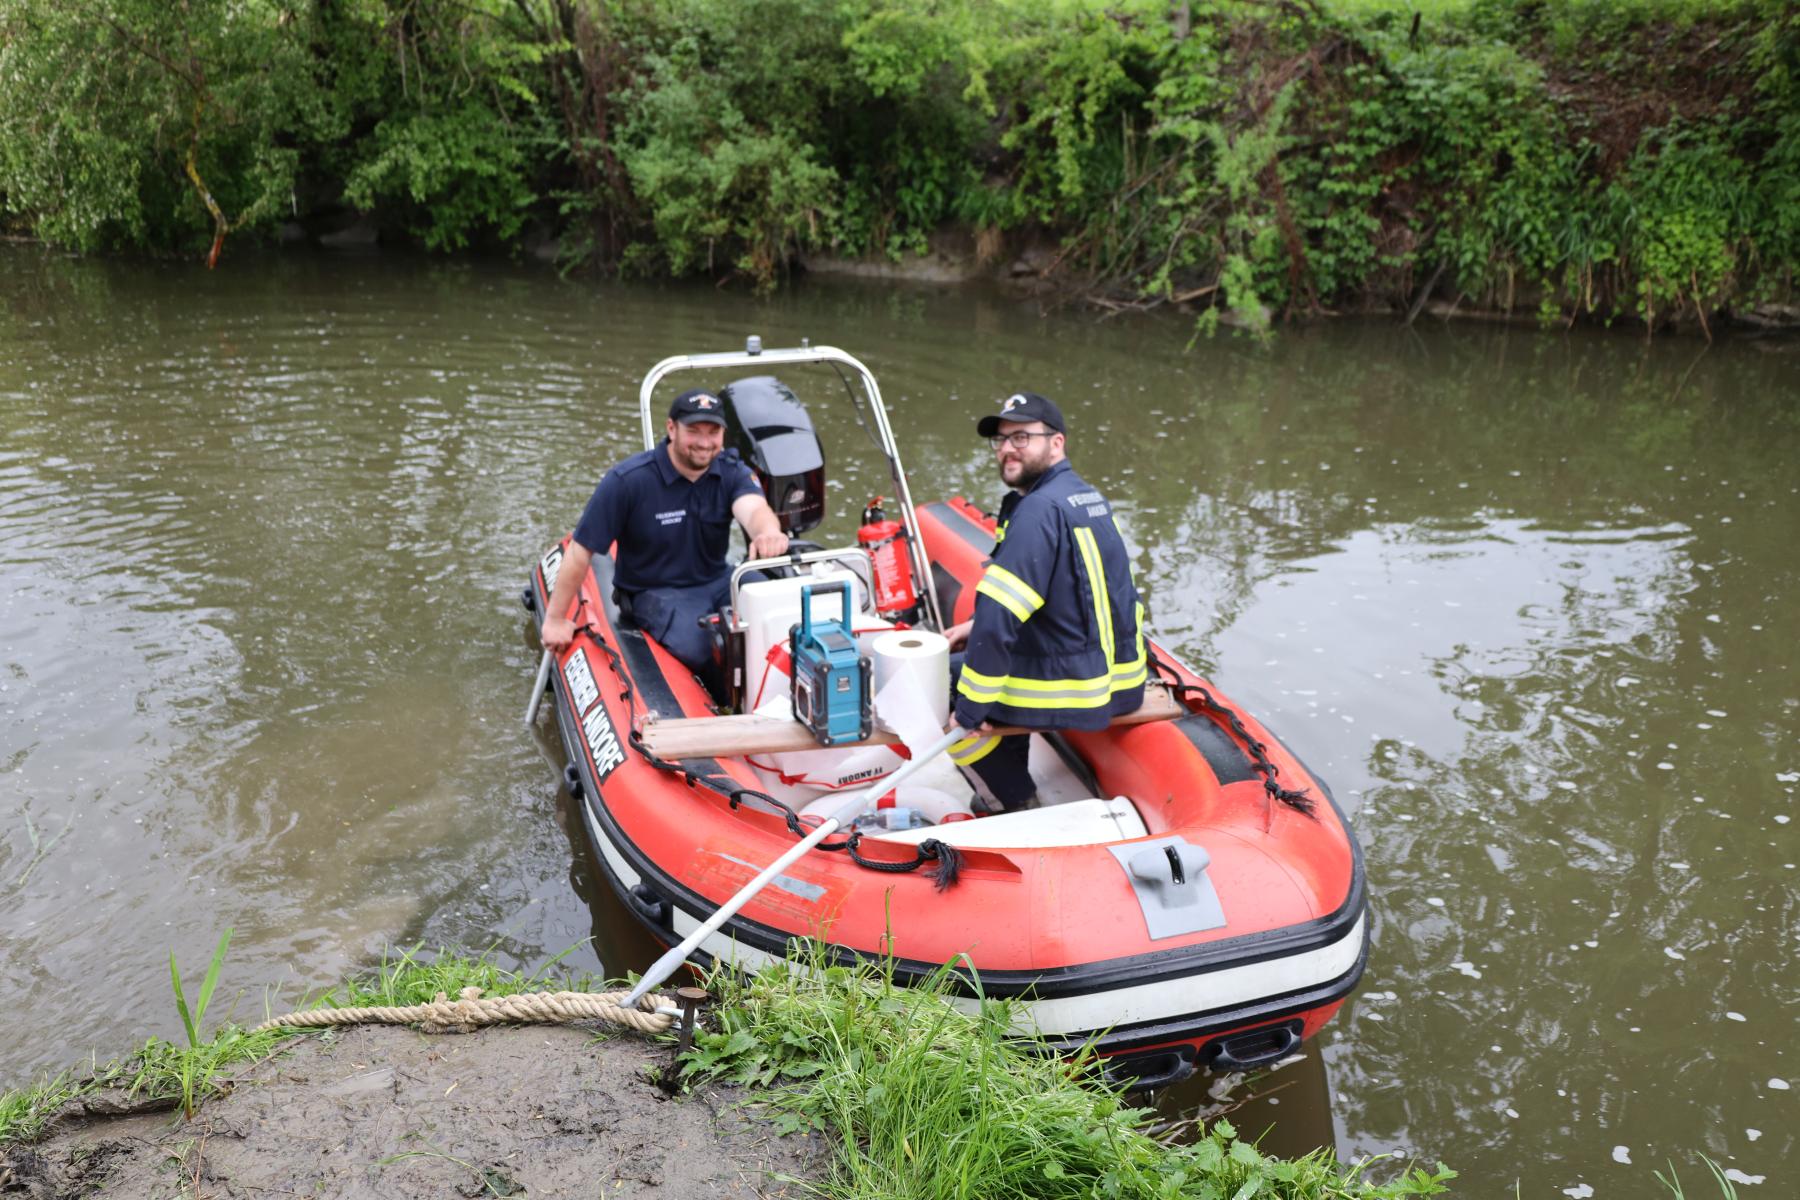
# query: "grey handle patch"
1168, 876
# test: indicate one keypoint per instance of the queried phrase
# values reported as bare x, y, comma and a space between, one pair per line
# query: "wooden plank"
734, 736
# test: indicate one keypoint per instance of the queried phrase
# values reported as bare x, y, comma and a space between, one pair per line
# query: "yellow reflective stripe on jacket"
971, 750
1142, 658
977, 686
1097, 697
1018, 692
1133, 672
1015, 692
1012, 593
1096, 573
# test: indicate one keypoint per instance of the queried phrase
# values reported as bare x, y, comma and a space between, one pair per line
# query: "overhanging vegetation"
1257, 158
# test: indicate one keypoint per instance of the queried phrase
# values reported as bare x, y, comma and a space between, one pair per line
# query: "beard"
1027, 477
694, 458
1029, 472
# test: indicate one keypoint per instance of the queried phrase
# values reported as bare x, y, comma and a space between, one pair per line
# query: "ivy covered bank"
1260, 159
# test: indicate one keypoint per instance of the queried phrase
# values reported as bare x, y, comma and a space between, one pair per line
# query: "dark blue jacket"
1058, 639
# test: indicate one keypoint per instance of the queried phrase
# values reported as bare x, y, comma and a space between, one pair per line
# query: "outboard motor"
770, 429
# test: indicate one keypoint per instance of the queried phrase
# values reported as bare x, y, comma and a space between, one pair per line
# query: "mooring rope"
469, 1010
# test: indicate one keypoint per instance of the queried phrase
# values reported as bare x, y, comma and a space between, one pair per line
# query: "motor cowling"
772, 432
896, 597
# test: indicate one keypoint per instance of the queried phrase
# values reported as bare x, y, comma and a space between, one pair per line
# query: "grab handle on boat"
1149, 1069
648, 905
1254, 1048
665, 966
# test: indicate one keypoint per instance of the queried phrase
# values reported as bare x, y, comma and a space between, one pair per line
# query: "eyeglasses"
1018, 440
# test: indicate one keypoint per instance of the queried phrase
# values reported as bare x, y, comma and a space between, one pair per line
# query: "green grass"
921, 1099
404, 978
194, 1067
926, 1101
184, 1076
187, 1075
23, 1113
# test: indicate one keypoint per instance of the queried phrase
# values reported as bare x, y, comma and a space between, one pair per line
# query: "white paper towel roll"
912, 684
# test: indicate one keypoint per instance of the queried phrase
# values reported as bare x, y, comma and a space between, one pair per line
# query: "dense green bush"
1258, 157
109, 112
722, 131
436, 113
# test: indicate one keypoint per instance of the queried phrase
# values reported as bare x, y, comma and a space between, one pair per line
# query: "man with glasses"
1057, 636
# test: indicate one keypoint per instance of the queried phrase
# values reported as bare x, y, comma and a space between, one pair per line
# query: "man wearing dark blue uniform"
669, 509
1057, 638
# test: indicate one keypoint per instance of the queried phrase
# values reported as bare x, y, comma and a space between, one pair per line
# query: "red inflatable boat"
1186, 894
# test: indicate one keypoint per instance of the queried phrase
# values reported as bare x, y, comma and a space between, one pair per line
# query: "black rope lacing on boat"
948, 858
1299, 801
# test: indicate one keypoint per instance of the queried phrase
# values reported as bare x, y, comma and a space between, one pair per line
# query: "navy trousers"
672, 617
1002, 763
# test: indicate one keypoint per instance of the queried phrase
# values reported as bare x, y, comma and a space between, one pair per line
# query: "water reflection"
1285, 1110
1524, 599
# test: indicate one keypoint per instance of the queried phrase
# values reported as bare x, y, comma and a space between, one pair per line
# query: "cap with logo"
1022, 407
697, 404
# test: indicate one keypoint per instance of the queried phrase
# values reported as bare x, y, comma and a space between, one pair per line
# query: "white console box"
768, 608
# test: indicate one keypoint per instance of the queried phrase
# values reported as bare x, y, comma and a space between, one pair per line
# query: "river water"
1525, 598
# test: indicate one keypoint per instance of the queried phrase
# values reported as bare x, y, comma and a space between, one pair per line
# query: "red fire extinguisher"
886, 541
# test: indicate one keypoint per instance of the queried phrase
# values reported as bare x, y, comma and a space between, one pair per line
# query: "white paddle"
665, 966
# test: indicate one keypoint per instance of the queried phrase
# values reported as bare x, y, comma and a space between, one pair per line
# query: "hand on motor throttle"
768, 545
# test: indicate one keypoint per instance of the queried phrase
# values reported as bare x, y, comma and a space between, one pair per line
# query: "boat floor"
1057, 782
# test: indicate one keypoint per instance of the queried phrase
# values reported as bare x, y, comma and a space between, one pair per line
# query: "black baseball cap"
697, 404
1022, 406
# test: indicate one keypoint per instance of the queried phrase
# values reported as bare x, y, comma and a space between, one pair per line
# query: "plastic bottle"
934, 805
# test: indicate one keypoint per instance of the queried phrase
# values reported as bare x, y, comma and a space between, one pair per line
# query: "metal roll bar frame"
753, 355
845, 554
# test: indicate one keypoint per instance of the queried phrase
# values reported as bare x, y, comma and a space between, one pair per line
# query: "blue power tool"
831, 681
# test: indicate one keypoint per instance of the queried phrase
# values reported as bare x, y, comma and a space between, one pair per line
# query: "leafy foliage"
105, 104
720, 134
1258, 157
451, 112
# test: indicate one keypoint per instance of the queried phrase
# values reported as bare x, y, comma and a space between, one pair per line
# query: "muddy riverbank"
386, 1111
